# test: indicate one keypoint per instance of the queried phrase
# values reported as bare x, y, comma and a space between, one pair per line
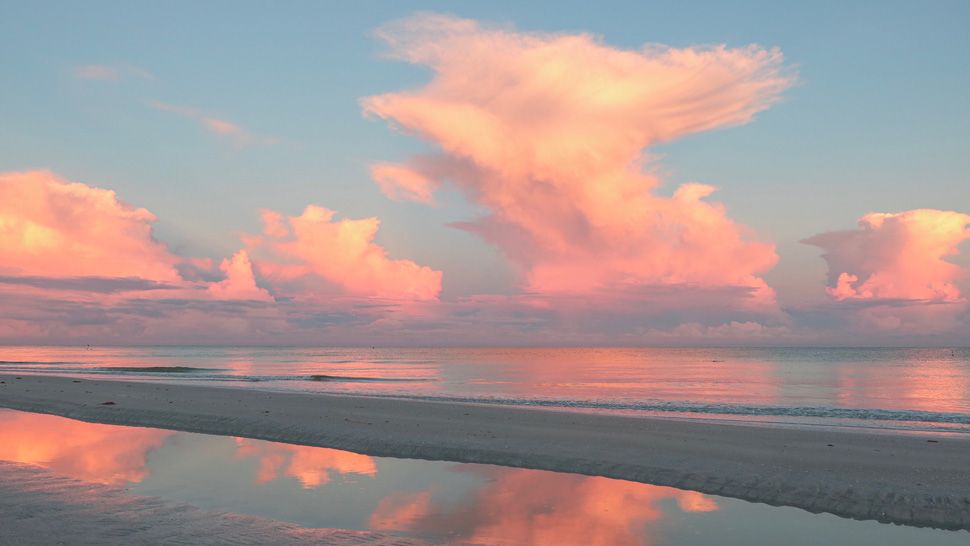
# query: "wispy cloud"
215, 125
104, 285
106, 72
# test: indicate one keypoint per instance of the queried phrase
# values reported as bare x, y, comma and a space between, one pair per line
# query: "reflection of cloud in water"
401, 510
531, 507
926, 380
311, 466
91, 452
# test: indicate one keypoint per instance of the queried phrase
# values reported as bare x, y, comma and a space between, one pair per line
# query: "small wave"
34, 362
865, 414
351, 379
154, 369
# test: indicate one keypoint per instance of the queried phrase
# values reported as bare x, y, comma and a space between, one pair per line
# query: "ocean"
918, 389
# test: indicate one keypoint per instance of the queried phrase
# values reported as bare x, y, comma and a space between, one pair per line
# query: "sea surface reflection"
436, 501
874, 387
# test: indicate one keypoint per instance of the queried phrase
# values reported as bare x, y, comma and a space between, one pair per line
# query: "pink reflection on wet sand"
311, 466
108, 454
519, 506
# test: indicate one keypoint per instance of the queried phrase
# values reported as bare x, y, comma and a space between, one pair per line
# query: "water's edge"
609, 455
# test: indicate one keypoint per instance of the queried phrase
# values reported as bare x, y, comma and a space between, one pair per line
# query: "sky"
503, 173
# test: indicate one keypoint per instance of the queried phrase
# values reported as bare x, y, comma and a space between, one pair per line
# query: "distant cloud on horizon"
892, 273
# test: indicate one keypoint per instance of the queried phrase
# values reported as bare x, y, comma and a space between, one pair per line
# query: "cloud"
104, 285
79, 264
402, 183
240, 283
896, 256
55, 228
729, 333
103, 72
217, 126
891, 282
341, 252
547, 133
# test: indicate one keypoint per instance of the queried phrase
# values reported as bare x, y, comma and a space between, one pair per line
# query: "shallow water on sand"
435, 501
926, 389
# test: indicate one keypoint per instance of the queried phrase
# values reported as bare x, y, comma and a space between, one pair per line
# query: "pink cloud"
343, 253
547, 132
240, 283
896, 256
79, 264
104, 72
214, 125
402, 183
96, 72
892, 280
56, 228
222, 127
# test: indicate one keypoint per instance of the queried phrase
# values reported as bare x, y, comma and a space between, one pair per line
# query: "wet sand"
892, 477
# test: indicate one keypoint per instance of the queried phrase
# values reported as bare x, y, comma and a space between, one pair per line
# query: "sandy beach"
892, 477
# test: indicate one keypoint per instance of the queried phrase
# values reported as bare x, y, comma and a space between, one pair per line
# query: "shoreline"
898, 478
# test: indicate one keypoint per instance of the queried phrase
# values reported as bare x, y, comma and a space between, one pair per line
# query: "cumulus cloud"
340, 251
891, 280
901, 256
547, 132
240, 283
52, 227
79, 264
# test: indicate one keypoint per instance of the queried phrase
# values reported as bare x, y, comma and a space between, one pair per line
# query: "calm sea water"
924, 389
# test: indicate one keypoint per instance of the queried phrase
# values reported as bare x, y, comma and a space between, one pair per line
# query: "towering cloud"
341, 252
240, 283
896, 256
546, 132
